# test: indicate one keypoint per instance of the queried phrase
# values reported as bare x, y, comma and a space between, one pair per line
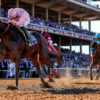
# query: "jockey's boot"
94, 45
26, 34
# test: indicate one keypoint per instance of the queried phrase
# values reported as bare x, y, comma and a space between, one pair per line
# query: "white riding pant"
25, 23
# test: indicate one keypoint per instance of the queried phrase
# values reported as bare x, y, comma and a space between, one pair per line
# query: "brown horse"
13, 46
95, 62
53, 56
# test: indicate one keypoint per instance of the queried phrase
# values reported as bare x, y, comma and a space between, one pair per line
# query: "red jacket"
48, 39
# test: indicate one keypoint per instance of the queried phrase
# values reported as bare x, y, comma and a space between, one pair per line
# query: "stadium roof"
78, 10
73, 8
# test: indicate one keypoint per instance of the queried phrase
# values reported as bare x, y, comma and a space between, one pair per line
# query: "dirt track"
61, 89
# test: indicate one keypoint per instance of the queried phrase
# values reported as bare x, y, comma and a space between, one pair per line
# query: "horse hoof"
50, 80
91, 78
58, 76
45, 85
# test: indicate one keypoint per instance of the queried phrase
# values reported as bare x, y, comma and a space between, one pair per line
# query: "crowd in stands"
62, 26
3, 12
7, 68
75, 60
49, 23
71, 59
89, 3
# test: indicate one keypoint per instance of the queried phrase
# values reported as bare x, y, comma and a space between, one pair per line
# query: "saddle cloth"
33, 42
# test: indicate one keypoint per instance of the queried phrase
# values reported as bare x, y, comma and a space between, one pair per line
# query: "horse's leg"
17, 65
58, 60
47, 73
91, 76
50, 65
44, 69
97, 73
36, 64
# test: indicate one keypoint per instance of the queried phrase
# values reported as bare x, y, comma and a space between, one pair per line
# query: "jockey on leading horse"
49, 41
96, 42
20, 18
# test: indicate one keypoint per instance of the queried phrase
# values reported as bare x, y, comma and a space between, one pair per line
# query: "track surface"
61, 89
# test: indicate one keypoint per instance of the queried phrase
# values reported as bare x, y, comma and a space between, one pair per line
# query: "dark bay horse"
95, 62
53, 56
13, 46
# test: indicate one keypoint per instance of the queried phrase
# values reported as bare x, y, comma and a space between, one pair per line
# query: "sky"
95, 27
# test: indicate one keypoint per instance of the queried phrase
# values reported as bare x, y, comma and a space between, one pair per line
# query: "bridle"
5, 29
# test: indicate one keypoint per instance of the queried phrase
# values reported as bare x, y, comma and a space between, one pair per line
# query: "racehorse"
53, 56
95, 62
13, 46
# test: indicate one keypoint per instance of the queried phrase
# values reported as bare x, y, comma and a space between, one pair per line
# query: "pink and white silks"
23, 16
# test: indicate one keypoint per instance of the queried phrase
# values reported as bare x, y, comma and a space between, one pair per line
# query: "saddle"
33, 42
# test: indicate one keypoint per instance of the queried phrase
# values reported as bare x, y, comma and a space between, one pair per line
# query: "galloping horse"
13, 46
53, 56
95, 62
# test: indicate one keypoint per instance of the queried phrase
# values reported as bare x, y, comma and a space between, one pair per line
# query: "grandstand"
56, 17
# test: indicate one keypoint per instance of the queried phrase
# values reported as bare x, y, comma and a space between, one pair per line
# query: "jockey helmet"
96, 37
12, 13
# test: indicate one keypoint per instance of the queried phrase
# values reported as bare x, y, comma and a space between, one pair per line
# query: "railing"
55, 31
62, 71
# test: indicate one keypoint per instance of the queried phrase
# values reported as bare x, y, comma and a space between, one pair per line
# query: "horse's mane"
14, 31
17, 29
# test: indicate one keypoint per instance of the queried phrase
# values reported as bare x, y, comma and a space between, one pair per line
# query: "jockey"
96, 41
19, 17
49, 41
